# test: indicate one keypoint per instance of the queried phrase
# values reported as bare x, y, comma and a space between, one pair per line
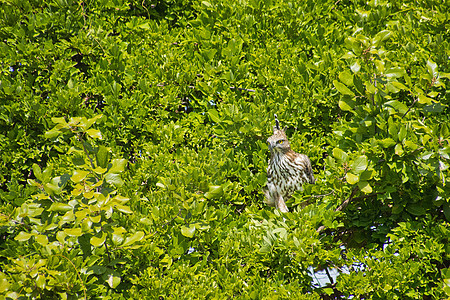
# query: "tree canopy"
133, 145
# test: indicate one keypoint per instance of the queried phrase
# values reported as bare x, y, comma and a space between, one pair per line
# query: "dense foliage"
132, 138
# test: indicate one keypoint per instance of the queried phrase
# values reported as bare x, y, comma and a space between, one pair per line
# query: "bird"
287, 170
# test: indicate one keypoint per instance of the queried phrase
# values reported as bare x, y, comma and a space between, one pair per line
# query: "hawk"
287, 169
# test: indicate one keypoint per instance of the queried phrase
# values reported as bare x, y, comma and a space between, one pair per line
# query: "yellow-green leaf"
42, 240
424, 99
73, 231
78, 175
188, 231
342, 88
359, 164
124, 209
60, 207
94, 133
137, 236
23, 236
351, 178
117, 165
97, 241
340, 155
215, 191
365, 187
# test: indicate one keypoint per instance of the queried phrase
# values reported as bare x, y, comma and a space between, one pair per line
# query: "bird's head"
278, 142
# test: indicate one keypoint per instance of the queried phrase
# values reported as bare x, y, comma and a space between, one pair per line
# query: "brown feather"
287, 170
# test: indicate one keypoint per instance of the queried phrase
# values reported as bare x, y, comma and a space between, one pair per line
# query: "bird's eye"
280, 142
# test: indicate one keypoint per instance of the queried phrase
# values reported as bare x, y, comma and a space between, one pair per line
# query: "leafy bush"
133, 148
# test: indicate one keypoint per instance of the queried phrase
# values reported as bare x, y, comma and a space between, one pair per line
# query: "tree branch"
340, 207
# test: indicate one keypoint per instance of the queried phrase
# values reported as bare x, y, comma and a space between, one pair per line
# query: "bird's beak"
270, 146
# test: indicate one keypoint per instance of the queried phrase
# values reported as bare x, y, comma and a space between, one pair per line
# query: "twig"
323, 195
242, 89
78, 273
340, 207
409, 108
329, 276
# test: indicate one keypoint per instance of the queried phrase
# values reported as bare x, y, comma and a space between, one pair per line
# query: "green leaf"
359, 164
215, 192
123, 208
188, 231
102, 156
340, 155
434, 108
351, 178
347, 104
94, 133
206, 3
355, 67
398, 149
214, 115
365, 187
424, 99
399, 85
117, 165
33, 182
415, 209
51, 133
381, 37
59, 120
23, 236
42, 240
432, 68
73, 231
395, 72
37, 172
40, 281
97, 241
60, 207
79, 175
397, 105
342, 88
136, 237
346, 77
114, 179
328, 291
366, 175
446, 209
386, 143
112, 278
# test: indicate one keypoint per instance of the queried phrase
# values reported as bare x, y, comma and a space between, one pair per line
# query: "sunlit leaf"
60, 207
188, 231
351, 178
94, 133
97, 241
23, 236
79, 175
340, 154
136, 237
342, 88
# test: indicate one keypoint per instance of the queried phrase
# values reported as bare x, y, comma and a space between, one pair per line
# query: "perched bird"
287, 169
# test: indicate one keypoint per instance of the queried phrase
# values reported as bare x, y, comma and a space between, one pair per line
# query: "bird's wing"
304, 161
